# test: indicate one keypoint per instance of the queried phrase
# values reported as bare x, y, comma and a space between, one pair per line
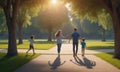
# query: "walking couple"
75, 37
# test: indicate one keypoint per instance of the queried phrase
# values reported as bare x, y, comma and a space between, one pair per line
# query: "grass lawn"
10, 64
44, 45
108, 57
40, 45
97, 44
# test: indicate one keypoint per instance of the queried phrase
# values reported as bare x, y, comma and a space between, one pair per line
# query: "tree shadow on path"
84, 62
56, 63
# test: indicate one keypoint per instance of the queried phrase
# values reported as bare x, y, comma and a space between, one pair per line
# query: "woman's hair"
58, 33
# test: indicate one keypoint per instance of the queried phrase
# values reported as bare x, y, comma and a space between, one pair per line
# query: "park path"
66, 49
49, 61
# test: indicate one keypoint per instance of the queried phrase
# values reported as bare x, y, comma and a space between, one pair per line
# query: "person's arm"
70, 38
62, 36
80, 40
79, 36
85, 45
33, 40
55, 38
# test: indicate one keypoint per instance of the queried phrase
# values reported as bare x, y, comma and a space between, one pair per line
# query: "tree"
10, 8
113, 8
94, 28
91, 9
24, 16
88, 27
53, 18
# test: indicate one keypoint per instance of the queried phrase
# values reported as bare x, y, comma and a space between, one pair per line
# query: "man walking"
75, 37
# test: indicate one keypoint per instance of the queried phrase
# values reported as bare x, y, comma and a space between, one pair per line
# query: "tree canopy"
53, 18
100, 11
10, 9
93, 10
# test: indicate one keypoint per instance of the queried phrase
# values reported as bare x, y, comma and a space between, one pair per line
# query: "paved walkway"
66, 49
67, 63
49, 61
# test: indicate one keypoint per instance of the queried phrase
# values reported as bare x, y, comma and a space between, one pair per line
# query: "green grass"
10, 64
44, 45
96, 44
108, 57
39, 45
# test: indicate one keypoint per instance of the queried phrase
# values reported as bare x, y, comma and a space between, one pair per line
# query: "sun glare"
68, 6
54, 1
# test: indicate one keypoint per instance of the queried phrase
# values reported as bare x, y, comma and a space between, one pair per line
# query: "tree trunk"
50, 34
10, 10
12, 48
116, 25
103, 35
20, 41
113, 7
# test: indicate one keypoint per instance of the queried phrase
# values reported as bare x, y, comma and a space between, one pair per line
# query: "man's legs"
76, 49
73, 49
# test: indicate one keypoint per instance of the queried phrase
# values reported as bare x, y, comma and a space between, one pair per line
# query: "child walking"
83, 46
31, 44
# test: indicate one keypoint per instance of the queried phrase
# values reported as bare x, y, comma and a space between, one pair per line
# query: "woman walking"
59, 37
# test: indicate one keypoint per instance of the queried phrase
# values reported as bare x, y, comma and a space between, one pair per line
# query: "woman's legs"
59, 48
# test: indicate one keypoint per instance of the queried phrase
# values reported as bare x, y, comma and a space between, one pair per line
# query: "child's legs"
33, 49
29, 49
83, 51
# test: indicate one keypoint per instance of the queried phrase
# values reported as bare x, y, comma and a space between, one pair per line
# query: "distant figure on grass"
83, 46
31, 44
59, 37
75, 37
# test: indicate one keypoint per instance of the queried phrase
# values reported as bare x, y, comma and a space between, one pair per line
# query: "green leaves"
3, 27
105, 20
86, 9
91, 10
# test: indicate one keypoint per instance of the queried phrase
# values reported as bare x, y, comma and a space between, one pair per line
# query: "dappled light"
87, 28
67, 5
10, 63
54, 2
